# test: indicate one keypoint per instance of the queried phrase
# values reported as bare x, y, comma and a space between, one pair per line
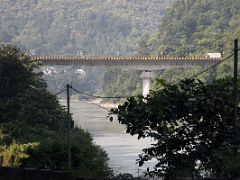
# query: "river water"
122, 148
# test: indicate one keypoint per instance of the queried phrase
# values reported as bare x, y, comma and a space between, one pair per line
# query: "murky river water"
122, 148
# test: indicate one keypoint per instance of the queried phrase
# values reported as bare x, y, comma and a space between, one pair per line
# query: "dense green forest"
193, 28
33, 126
99, 27
79, 27
129, 27
196, 27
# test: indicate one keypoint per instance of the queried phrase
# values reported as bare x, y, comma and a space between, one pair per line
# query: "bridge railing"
109, 58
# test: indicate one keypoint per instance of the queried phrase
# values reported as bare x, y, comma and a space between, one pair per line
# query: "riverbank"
106, 105
98, 102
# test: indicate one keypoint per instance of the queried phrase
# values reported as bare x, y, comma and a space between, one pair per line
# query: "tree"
15, 153
97, 28
191, 124
16, 72
195, 27
12, 155
29, 113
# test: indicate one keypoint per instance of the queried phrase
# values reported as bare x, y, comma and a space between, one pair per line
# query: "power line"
124, 97
103, 97
60, 91
88, 100
208, 68
49, 97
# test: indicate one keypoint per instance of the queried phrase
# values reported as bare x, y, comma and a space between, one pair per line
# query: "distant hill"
195, 27
89, 27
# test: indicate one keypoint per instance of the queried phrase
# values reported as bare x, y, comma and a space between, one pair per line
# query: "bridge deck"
142, 63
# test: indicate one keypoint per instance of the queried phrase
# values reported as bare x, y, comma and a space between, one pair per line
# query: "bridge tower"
146, 77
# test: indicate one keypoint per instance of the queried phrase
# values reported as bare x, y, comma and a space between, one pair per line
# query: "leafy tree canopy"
29, 113
196, 27
191, 125
99, 27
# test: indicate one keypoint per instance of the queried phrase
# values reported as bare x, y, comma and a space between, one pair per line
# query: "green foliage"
14, 154
117, 82
29, 113
19, 84
191, 124
193, 28
87, 159
15, 69
196, 27
76, 26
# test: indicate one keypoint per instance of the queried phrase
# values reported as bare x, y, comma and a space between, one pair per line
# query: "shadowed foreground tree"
191, 124
29, 113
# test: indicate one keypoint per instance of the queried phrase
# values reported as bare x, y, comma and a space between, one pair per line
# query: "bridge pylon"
146, 77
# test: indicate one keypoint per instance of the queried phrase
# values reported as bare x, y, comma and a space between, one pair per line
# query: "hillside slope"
99, 27
196, 27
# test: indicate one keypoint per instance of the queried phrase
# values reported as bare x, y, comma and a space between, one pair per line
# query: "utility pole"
69, 119
235, 88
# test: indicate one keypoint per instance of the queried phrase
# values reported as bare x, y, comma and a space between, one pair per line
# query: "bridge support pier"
212, 75
146, 77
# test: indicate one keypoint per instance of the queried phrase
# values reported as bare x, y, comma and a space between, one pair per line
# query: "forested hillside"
121, 27
195, 27
99, 27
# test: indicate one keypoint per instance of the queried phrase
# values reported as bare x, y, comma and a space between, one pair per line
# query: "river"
122, 148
